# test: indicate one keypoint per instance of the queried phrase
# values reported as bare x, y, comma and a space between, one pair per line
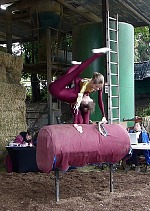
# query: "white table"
141, 146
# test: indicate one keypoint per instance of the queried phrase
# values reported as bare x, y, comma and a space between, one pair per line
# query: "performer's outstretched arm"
100, 102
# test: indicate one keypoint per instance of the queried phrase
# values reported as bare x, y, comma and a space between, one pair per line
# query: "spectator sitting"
143, 138
23, 137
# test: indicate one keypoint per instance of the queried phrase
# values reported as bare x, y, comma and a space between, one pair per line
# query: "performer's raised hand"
104, 120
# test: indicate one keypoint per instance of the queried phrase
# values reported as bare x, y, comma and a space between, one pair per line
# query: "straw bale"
12, 91
8, 60
2, 73
12, 111
11, 66
2, 55
12, 98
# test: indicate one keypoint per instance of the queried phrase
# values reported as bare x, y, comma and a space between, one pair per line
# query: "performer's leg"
72, 68
57, 86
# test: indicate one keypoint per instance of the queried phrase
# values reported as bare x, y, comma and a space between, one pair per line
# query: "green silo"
85, 38
89, 36
126, 70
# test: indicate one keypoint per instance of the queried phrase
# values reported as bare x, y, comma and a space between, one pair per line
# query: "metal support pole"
111, 178
57, 184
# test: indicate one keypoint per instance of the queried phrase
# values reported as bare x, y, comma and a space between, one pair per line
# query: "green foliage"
142, 44
146, 112
143, 111
26, 76
28, 52
43, 87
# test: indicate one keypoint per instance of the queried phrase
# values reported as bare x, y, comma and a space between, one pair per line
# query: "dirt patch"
79, 190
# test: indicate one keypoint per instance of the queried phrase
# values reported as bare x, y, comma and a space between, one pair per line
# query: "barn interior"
48, 24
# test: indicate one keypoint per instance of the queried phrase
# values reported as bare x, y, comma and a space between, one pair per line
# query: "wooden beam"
105, 9
23, 4
24, 15
86, 14
57, 68
6, 1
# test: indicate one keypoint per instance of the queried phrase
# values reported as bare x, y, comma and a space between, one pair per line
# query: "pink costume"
59, 89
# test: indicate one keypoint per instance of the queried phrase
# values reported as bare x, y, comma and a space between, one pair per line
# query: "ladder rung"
115, 96
114, 74
113, 41
115, 118
115, 30
113, 63
115, 85
112, 18
115, 107
114, 52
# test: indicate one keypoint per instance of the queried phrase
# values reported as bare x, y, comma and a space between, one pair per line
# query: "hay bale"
12, 98
12, 102
3, 73
11, 67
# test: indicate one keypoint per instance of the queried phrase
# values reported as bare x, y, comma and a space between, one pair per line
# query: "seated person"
143, 138
23, 137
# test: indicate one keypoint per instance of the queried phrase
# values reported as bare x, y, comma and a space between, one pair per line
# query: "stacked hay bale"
12, 98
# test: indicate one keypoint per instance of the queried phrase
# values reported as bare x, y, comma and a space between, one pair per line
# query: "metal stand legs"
57, 185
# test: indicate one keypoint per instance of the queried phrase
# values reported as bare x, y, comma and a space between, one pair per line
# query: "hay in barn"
12, 98
10, 67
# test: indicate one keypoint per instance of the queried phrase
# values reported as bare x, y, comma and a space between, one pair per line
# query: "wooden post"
49, 74
33, 46
8, 19
105, 9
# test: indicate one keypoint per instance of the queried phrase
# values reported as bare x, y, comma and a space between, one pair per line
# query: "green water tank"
126, 70
89, 36
85, 38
